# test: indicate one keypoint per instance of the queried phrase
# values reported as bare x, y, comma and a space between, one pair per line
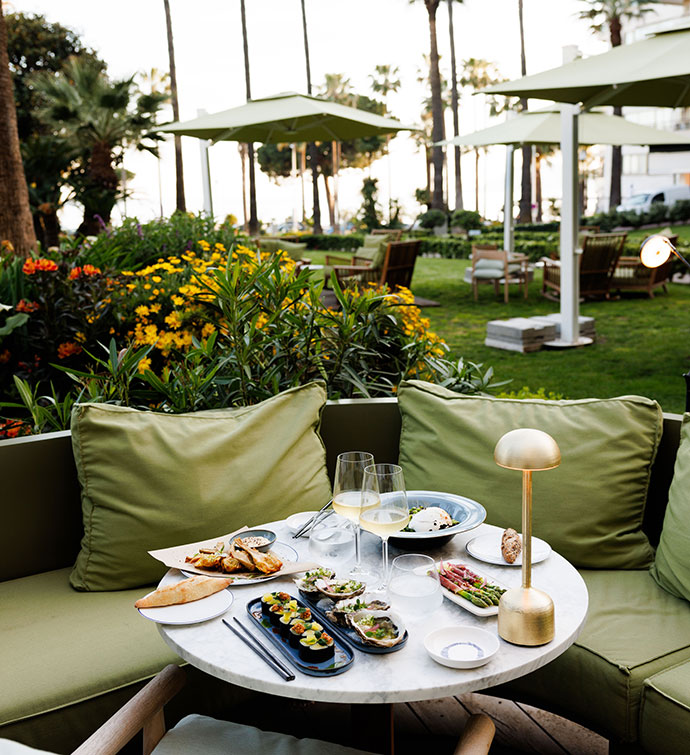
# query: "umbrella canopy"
652, 72
544, 127
287, 118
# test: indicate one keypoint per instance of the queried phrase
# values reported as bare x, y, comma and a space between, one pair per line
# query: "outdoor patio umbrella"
654, 71
287, 118
544, 127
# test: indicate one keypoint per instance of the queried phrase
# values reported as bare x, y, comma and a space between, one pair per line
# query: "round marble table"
408, 675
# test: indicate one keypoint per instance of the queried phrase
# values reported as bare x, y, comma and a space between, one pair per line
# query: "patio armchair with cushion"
393, 265
496, 266
597, 262
631, 275
269, 246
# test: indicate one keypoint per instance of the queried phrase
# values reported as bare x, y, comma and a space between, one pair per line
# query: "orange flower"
12, 428
27, 306
67, 349
74, 273
77, 272
40, 265
91, 270
5, 356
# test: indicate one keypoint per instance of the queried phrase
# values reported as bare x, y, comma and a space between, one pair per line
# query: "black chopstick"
261, 650
309, 523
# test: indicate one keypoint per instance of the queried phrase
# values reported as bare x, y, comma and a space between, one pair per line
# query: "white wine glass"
347, 497
384, 506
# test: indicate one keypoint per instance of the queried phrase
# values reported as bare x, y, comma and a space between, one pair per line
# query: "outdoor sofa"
70, 659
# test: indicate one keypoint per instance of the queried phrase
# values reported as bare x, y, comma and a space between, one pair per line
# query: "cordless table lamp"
525, 614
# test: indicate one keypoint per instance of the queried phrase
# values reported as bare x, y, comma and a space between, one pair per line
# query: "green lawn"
642, 345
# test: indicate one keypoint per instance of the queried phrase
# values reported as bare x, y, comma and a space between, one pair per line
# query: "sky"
345, 36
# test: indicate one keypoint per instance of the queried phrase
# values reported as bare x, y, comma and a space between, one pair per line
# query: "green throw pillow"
153, 480
293, 249
589, 509
671, 568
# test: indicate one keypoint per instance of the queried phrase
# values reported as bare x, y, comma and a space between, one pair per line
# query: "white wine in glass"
347, 496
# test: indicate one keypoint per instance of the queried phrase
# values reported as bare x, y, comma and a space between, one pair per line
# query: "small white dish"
191, 613
487, 548
461, 646
296, 521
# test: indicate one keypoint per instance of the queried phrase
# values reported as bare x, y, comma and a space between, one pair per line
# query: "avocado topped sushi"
316, 647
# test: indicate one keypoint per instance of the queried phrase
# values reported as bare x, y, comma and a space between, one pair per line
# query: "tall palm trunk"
330, 199
537, 181
312, 148
616, 154
253, 219
454, 105
243, 158
16, 223
179, 175
525, 211
437, 130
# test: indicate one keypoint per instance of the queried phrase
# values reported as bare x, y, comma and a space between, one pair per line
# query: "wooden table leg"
373, 727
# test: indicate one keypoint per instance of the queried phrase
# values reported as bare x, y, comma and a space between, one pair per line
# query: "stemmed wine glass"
347, 497
384, 505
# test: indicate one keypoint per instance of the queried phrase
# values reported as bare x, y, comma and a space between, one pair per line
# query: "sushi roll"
316, 647
299, 629
285, 621
272, 599
277, 610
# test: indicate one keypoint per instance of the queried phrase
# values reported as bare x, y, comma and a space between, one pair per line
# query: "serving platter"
467, 512
463, 602
286, 553
487, 548
343, 654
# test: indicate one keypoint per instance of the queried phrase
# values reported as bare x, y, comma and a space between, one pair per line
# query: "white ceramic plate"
487, 548
463, 602
467, 512
461, 647
284, 552
191, 613
296, 521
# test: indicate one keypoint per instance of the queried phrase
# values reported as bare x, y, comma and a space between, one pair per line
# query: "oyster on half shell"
366, 602
340, 589
381, 628
307, 583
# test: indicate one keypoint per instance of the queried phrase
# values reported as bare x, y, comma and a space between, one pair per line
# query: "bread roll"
186, 591
511, 545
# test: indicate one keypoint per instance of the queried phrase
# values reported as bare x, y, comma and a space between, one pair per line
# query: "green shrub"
529, 227
448, 248
680, 211
631, 218
467, 219
658, 213
333, 242
432, 219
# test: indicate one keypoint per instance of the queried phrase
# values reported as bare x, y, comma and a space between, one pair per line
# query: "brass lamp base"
525, 616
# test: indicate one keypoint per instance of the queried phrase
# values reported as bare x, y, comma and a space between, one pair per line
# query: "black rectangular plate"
320, 605
341, 662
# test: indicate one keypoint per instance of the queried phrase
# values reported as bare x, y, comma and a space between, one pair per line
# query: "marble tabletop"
409, 674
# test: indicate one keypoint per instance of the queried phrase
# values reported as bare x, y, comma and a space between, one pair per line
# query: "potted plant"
436, 219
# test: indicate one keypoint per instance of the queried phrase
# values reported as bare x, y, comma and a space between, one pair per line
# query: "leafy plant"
467, 219
432, 219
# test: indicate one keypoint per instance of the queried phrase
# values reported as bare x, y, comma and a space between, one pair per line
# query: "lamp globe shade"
527, 449
655, 250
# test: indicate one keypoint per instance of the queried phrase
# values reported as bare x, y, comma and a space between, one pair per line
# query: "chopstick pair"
260, 649
311, 521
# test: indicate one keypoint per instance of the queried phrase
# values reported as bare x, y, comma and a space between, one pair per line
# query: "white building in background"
648, 170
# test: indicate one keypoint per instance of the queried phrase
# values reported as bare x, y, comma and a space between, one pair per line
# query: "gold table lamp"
525, 614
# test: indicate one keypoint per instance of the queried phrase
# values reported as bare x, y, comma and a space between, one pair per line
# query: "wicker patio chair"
631, 275
396, 270
597, 262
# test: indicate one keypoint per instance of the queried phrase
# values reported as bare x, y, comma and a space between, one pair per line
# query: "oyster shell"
366, 602
340, 589
307, 583
380, 628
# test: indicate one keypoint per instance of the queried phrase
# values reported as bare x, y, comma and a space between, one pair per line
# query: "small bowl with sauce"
260, 539
461, 646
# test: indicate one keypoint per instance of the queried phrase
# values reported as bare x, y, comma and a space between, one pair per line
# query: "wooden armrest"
352, 268
549, 261
361, 261
339, 260
629, 261
477, 736
143, 711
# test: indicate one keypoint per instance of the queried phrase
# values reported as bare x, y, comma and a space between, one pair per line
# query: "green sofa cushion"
154, 480
633, 630
671, 567
375, 253
293, 249
665, 715
61, 646
589, 509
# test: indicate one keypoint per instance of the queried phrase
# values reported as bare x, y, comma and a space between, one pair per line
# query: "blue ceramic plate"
468, 514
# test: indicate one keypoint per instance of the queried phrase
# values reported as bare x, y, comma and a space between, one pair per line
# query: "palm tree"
312, 149
95, 115
253, 219
454, 107
179, 176
609, 15
16, 224
383, 82
525, 207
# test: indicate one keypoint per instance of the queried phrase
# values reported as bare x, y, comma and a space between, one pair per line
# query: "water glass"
332, 542
414, 586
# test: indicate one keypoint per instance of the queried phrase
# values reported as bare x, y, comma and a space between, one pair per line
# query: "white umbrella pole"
570, 278
508, 230
205, 173
294, 176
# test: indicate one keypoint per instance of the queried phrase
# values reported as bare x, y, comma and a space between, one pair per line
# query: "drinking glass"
332, 542
384, 506
347, 497
414, 586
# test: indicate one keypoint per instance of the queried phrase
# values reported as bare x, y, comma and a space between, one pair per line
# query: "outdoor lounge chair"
631, 275
394, 235
493, 265
598, 260
144, 712
395, 270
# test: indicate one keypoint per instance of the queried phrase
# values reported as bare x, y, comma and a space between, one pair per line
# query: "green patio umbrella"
287, 118
544, 127
652, 72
